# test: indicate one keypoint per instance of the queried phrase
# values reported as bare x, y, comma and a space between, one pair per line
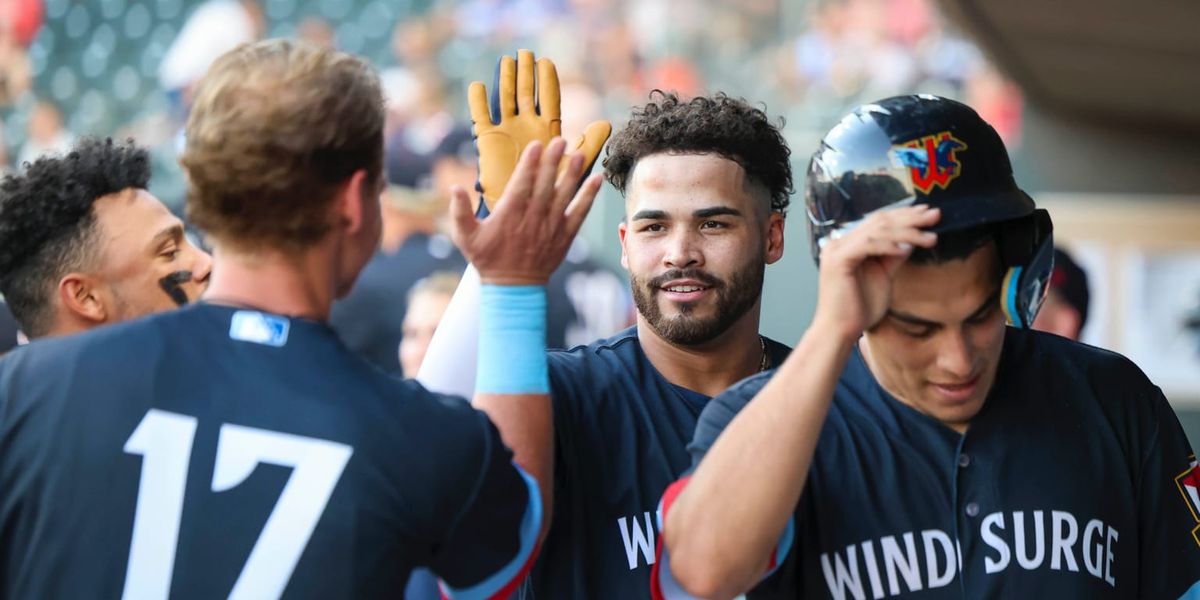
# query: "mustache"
705, 278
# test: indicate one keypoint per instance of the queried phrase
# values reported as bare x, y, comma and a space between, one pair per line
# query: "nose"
955, 357
201, 265
683, 251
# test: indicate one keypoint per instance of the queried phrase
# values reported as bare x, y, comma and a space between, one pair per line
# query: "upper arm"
1168, 510
492, 541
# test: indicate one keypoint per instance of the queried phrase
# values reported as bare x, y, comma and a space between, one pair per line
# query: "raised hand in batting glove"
527, 236
524, 107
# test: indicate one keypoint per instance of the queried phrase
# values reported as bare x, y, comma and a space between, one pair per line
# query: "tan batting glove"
523, 108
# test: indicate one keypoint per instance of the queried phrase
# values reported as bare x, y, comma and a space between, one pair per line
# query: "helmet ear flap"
1026, 248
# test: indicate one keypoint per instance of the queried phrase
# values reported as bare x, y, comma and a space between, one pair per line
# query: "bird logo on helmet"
925, 149
932, 160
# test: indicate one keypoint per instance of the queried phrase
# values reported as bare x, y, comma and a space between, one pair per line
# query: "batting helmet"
930, 150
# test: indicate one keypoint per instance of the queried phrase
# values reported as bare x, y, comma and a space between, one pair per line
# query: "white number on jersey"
164, 439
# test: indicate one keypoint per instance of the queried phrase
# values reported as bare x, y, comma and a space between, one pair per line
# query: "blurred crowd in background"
125, 68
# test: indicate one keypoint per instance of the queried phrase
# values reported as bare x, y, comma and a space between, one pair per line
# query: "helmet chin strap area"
171, 284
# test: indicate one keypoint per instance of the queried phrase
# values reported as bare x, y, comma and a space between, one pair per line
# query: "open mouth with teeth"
684, 292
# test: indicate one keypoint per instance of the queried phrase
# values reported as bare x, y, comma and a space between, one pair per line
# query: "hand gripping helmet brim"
930, 150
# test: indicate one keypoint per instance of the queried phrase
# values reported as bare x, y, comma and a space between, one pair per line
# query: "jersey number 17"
164, 440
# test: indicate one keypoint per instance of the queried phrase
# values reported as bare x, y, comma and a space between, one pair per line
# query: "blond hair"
276, 128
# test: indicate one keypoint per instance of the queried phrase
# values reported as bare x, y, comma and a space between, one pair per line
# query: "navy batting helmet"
930, 150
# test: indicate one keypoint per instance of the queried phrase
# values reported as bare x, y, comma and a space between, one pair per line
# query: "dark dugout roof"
1130, 64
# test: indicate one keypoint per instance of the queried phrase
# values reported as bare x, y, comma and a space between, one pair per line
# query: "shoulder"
722, 409
622, 345
1047, 358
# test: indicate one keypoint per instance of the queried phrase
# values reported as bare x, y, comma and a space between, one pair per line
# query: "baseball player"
706, 183
235, 447
913, 445
86, 245
1065, 311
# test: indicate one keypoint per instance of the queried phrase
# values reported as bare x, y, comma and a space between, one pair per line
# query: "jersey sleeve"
713, 420
1168, 511
492, 542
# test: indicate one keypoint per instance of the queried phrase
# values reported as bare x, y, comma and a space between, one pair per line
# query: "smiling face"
696, 238
142, 246
938, 348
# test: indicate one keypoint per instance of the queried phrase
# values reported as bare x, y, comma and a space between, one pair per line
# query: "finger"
593, 141
548, 96
578, 210
570, 174
520, 184
507, 87
462, 219
526, 83
543, 191
477, 101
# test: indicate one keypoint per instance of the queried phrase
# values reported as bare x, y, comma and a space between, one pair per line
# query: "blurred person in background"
427, 300
86, 245
1065, 310
216, 26
316, 30
15, 75
370, 319
4, 164
45, 134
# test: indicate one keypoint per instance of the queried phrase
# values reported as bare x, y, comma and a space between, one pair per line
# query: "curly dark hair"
730, 127
47, 226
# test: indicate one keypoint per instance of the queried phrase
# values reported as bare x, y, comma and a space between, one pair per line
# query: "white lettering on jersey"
1039, 553
639, 539
943, 554
905, 563
934, 540
1060, 548
845, 578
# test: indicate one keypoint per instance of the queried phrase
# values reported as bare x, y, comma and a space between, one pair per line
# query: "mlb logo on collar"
259, 328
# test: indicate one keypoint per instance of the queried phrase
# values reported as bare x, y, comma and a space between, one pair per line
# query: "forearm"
513, 385
449, 365
526, 424
722, 528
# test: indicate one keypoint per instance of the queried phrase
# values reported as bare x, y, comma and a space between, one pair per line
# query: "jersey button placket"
972, 509
964, 460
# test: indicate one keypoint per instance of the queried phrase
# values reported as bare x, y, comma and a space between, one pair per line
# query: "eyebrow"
701, 213
716, 211
170, 233
919, 322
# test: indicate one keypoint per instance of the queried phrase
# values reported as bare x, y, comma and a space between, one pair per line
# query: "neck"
298, 285
713, 366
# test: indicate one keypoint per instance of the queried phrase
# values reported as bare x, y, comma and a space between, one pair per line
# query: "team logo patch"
932, 160
259, 328
1189, 486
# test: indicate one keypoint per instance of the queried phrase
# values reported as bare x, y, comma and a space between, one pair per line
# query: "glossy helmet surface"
924, 149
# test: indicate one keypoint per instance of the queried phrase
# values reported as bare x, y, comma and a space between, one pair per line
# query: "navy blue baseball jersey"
621, 436
1074, 480
218, 452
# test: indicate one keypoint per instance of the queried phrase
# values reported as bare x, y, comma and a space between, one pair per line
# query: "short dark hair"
958, 245
47, 224
730, 127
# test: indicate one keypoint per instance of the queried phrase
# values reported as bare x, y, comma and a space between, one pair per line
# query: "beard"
733, 299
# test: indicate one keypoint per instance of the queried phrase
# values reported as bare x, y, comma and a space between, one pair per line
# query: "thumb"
593, 141
462, 219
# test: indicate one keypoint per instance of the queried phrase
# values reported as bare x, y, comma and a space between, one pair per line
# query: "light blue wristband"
512, 340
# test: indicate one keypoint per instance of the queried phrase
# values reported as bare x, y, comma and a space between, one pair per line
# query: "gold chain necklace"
763, 364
